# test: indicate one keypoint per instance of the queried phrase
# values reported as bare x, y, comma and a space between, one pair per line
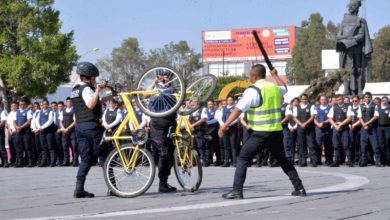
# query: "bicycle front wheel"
161, 92
188, 169
134, 182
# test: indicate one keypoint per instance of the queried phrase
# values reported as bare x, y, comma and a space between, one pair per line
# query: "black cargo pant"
273, 141
23, 145
69, 141
89, 136
161, 127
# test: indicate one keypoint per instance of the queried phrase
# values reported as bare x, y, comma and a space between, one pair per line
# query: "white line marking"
352, 182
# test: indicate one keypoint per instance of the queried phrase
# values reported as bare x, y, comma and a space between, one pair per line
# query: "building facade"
233, 52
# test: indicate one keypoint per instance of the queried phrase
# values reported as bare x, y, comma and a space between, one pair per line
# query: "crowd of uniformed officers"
332, 131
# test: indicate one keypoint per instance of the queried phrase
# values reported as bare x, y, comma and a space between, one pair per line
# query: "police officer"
112, 117
57, 109
11, 133
195, 123
286, 131
211, 127
355, 128
160, 129
323, 130
22, 120
262, 103
89, 132
67, 124
47, 129
304, 117
3, 122
230, 138
292, 127
339, 116
368, 116
35, 136
384, 129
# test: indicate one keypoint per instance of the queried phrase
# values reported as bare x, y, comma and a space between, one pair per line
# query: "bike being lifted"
130, 168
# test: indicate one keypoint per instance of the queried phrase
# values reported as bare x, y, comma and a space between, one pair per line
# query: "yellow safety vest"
268, 116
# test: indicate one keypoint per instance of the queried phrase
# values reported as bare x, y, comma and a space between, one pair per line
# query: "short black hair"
260, 70
36, 103
229, 96
53, 102
339, 95
45, 100
304, 95
68, 98
368, 93
61, 103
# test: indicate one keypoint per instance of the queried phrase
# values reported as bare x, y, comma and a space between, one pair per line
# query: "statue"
354, 45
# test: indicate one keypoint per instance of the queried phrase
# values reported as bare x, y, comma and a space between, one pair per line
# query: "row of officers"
343, 130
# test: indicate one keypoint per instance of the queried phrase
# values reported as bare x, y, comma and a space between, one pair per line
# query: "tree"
178, 56
380, 64
35, 58
222, 82
125, 65
306, 57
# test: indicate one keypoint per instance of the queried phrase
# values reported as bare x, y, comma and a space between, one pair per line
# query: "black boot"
79, 192
301, 192
164, 187
234, 194
65, 163
226, 164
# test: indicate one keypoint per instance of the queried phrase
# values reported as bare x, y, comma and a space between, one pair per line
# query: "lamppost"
95, 49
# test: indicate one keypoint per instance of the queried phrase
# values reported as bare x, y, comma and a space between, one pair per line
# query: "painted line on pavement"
351, 182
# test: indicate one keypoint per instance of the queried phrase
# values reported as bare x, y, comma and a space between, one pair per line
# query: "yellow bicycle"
187, 164
129, 169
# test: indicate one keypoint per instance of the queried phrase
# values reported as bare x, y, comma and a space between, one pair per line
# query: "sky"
104, 24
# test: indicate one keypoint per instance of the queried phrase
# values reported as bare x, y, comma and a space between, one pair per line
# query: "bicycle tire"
173, 109
193, 187
115, 189
205, 97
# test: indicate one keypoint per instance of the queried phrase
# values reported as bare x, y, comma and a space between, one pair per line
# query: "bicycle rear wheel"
190, 174
169, 88
198, 93
132, 183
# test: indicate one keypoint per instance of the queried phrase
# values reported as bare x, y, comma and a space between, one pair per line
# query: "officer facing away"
262, 103
88, 111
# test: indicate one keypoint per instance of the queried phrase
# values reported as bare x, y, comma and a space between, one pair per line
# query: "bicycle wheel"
136, 181
190, 174
198, 93
170, 92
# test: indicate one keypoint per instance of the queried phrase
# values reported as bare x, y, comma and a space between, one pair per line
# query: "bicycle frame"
131, 163
186, 154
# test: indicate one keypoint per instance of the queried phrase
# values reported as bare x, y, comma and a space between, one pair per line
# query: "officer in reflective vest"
323, 131
368, 116
89, 132
262, 103
67, 124
22, 120
46, 129
339, 116
384, 129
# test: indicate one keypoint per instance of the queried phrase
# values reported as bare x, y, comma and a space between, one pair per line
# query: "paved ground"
334, 193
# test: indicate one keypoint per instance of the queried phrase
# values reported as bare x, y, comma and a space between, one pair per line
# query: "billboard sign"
239, 45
